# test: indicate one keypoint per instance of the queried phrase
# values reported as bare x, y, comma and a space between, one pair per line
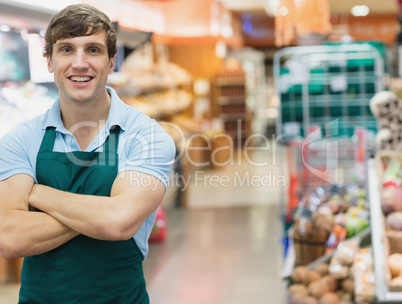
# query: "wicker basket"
392, 244
309, 246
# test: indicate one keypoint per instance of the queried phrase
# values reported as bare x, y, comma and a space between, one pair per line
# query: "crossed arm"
118, 217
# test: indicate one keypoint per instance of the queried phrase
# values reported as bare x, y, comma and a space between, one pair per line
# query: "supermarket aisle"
225, 247
218, 256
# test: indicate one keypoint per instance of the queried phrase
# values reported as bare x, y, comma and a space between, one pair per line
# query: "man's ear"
49, 64
111, 64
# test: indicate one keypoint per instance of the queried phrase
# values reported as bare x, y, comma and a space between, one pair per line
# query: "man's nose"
80, 60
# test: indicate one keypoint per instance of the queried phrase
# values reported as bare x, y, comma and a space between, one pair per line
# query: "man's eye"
94, 51
66, 50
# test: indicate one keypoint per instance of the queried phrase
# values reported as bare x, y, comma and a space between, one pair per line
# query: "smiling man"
67, 201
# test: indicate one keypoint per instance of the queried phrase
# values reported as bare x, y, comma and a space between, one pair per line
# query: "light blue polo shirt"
143, 147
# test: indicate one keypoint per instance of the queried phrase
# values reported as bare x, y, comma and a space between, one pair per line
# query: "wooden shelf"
227, 100
230, 82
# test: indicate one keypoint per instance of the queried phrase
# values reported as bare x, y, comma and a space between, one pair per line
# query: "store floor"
224, 248
218, 256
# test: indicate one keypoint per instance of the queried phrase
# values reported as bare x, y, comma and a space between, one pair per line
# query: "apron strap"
48, 140
111, 143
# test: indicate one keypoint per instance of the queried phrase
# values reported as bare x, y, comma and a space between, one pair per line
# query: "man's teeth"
79, 79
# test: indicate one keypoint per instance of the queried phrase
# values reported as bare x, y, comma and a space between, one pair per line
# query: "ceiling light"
360, 10
272, 7
5, 28
283, 11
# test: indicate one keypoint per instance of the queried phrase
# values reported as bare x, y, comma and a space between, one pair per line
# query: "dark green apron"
83, 270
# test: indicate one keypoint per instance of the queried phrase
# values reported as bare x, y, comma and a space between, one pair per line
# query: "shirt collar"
117, 114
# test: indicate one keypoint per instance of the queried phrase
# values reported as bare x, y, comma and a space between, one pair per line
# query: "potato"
311, 276
299, 274
330, 282
395, 264
345, 296
298, 290
322, 269
348, 285
309, 300
396, 281
318, 288
329, 298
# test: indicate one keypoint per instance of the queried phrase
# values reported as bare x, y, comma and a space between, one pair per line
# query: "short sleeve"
14, 155
148, 150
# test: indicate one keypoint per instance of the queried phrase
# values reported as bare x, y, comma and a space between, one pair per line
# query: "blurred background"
271, 106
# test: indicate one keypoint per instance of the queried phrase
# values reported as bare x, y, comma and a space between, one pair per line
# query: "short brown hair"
79, 20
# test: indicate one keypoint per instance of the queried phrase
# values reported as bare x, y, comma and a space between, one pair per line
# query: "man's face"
81, 66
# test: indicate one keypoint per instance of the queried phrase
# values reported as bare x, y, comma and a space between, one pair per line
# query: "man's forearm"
26, 233
22, 232
117, 217
87, 214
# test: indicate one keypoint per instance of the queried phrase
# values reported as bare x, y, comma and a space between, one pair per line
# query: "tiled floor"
224, 248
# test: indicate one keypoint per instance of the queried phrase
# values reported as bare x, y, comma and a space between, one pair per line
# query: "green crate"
367, 112
316, 89
350, 105
369, 64
285, 97
283, 71
299, 112
335, 111
353, 89
296, 89
317, 112
354, 110
286, 115
370, 88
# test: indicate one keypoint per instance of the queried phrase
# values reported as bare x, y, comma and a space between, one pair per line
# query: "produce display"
391, 190
387, 109
363, 273
386, 106
348, 278
327, 217
394, 262
389, 170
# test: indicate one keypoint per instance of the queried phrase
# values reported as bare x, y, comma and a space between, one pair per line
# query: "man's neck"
85, 120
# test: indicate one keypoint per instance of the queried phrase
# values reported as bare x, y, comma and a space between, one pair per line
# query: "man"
80, 184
